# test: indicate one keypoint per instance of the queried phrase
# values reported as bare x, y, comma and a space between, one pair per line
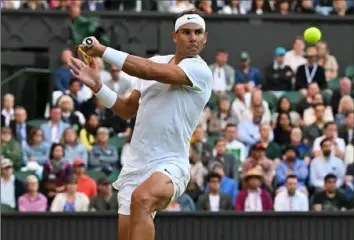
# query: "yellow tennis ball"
312, 35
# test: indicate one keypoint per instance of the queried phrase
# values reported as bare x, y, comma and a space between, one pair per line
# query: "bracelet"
107, 96
115, 57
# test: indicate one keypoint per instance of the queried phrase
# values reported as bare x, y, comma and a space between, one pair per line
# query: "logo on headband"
189, 18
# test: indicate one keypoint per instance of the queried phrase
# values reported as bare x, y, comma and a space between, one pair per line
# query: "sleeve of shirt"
316, 145
198, 73
277, 203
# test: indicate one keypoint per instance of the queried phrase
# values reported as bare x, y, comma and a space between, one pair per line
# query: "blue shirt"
40, 153
248, 133
76, 151
228, 186
300, 170
254, 75
62, 78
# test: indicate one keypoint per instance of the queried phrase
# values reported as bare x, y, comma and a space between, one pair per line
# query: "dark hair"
279, 103
329, 124
220, 139
54, 145
221, 50
330, 176
213, 175
73, 80
291, 148
318, 104
230, 125
348, 113
325, 140
31, 134
291, 177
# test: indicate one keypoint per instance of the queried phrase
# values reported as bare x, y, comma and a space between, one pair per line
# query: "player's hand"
88, 74
92, 47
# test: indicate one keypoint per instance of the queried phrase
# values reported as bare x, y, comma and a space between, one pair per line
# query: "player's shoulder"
161, 58
198, 66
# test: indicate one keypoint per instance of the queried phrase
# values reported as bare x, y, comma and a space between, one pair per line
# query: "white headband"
189, 18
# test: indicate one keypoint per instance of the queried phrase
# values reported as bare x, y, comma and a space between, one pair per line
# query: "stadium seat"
334, 84
23, 175
294, 97
117, 141
113, 176
327, 95
95, 175
271, 99
36, 122
349, 71
7, 208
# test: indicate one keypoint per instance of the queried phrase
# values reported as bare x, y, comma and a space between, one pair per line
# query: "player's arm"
126, 108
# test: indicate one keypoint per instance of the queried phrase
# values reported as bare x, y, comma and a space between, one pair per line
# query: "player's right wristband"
115, 57
107, 96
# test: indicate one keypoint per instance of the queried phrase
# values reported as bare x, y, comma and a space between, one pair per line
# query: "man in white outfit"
168, 101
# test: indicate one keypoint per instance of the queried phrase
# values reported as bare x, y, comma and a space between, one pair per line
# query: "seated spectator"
57, 167
54, 128
257, 159
204, 6
291, 199
326, 164
7, 112
106, 198
32, 200
309, 116
346, 105
63, 74
324, 6
253, 198
183, 204
11, 187
11, 4
301, 145
284, 106
245, 6
227, 159
198, 171
316, 129
283, 129
278, 76
295, 57
71, 200
307, 101
193, 191
35, 150
10, 148
66, 104
49, 186
273, 150
345, 88
103, 156
180, 6
232, 7
233, 146
85, 184
93, 5
223, 73
310, 72
88, 132
331, 198
251, 76
291, 166
219, 120
202, 148
327, 61
205, 118
260, 7
60, 4
19, 127
35, 5
346, 131
119, 82
255, 99
214, 199
340, 8
239, 110
73, 148
305, 7
283, 7
74, 91
338, 144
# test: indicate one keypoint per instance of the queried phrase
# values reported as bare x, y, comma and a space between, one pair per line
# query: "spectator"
7, 112
85, 184
204, 6
307, 101
202, 149
327, 61
310, 72
282, 129
233, 146
338, 144
283, 7
219, 120
11, 187
291, 200
88, 132
60, 4
309, 116
273, 149
11, 4
278, 76
346, 131
260, 7
284, 106
198, 171
346, 105
345, 87
302, 148
258, 160
103, 155
253, 198
239, 110
326, 164
10, 148
193, 191
73, 148
340, 8
184, 203
331, 198
223, 73
180, 6
214, 200
35, 5
291, 166
106, 199
245, 6
93, 5
75, 93
233, 7
255, 100
32, 200
295, 57
316, 129
228, 160
36, 149
305, 7
71, 200
251, 76
63, 74
324, 6
66, 104
119, 83
54, 128
19, 127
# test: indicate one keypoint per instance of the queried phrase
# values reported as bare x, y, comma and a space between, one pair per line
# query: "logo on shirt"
167, 171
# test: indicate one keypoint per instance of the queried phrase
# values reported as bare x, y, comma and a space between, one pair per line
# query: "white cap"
189, 18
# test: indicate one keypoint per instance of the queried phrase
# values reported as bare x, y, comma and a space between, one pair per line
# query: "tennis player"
168, 101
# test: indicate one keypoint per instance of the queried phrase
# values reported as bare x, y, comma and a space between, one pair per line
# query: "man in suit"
19, 127
119, 83
310, 72
347, 130
214, 200
54, 128
224, 74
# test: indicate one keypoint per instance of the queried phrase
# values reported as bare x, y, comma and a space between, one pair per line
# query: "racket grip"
87, 42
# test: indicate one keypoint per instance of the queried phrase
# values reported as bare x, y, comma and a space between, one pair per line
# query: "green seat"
212, 139
327, 95
36, 122
23, 175
213, 102
349, 71
95, 175
113, 176
117, 141
271, 99
293, 96
334, 84
7, 208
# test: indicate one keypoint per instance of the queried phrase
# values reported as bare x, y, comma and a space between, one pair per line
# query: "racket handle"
87, 42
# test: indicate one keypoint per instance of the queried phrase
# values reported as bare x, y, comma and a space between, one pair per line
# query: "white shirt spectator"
293, 60
214, 201
8, 192
181, 6
253, 202
81, 202
219, 81
237, 149
339, 142
309, 115
267, 116
239, 112
54, 133
8, 115
285, 203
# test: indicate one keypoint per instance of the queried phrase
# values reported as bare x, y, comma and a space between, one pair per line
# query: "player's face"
190, 39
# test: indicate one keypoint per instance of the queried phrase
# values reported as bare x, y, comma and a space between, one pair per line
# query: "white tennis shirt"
168, 115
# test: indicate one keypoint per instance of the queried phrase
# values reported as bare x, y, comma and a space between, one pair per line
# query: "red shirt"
87, 185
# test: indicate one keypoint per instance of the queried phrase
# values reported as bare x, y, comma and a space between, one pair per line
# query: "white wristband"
107, 96
114, 57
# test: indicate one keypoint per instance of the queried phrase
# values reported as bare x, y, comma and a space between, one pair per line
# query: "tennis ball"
312, 35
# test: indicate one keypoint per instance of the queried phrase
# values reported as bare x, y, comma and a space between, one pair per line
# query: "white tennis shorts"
128, 181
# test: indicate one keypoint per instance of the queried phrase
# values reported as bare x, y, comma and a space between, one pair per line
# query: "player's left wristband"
115, 57
107, 96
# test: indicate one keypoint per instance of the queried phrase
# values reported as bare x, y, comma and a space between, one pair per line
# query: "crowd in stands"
283, 7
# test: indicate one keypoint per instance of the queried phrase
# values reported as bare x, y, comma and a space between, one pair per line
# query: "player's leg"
123, 227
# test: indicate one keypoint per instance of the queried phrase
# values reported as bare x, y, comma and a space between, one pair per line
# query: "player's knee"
142, 201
